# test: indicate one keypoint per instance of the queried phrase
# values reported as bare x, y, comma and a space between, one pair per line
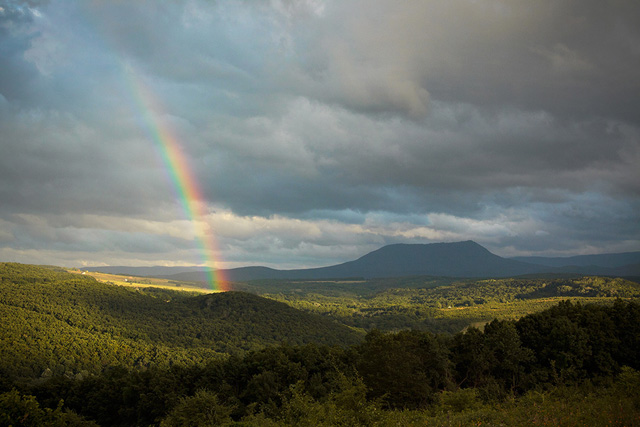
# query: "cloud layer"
318, 130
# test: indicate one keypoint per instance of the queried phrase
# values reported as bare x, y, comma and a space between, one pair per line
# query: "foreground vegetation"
77, 352
613, 404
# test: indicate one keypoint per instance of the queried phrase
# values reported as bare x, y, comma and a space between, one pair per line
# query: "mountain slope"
600, 260
625, 264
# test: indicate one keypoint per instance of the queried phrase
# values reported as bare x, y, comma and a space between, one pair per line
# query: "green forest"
439, 304
410, 351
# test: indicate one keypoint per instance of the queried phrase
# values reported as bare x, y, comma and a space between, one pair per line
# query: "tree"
406, 369
201, 409
471, 358
507, 358
24, 410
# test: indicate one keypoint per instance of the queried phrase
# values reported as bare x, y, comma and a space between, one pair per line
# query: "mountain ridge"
609, 260
456, 259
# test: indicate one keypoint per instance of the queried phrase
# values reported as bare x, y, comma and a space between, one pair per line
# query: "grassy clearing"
145, 282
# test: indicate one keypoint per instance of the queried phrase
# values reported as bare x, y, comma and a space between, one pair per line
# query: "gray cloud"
318, 130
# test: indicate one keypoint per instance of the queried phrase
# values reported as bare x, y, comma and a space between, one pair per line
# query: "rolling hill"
84, 325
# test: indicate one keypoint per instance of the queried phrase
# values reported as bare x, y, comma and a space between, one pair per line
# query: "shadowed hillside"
84, 325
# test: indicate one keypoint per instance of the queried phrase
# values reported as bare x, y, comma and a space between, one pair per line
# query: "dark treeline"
566, 345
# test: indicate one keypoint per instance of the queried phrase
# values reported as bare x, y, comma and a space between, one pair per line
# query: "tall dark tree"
406, 369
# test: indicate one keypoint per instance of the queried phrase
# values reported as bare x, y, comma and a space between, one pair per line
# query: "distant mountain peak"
456, 259
453, 259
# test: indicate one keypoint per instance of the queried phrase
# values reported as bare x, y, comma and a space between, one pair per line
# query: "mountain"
602, 260
458, 259
240, 274
625, 264
629, 270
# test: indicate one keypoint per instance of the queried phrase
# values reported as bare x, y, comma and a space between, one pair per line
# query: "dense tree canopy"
78, 352
59, 323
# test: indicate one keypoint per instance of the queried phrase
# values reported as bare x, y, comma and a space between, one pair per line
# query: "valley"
130, 350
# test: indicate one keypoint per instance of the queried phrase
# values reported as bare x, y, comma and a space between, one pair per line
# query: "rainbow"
184, 183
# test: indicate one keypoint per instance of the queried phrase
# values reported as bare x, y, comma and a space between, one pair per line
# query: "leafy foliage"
60, 323
394, 378
77, 352
25, 410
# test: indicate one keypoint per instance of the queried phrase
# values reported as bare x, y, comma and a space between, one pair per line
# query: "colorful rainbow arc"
184, 183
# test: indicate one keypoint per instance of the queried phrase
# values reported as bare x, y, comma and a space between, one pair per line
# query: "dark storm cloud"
441, 159
53, 162
15, 72
319, 130
570, 58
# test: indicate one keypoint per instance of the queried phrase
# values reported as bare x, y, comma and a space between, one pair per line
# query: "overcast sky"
318, 130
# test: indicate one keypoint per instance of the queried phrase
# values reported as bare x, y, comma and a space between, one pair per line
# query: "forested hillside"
74, 351
55, 322
439, 304
569, 365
